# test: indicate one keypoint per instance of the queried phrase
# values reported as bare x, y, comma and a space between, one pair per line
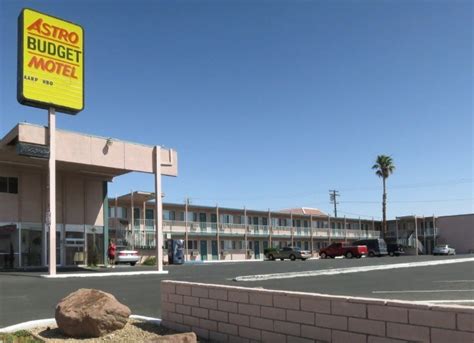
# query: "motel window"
150, 215
227, 245
234, 245
9, 185
136, 213
306, 245
237, 219
305, 223
226, 218
264, 221
117, 212
192, 245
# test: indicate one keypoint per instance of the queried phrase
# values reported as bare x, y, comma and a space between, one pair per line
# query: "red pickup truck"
337, 249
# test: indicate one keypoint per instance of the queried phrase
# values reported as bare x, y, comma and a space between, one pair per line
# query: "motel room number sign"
50, 62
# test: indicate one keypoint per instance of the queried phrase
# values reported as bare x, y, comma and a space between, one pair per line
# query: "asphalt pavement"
26, 296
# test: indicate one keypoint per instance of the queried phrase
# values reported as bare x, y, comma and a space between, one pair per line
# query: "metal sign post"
52, 190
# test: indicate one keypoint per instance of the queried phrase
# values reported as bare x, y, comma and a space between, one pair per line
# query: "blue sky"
272, 103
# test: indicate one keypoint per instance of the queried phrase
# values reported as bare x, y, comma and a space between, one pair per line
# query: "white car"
124, 255
443, 249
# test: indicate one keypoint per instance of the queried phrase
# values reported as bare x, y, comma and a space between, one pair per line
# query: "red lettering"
52, 67
35, 26
36, 63
55, 31
63, 34
49, 30
46, 29
73, 37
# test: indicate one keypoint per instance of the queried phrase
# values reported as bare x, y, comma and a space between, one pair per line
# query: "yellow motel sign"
50, 62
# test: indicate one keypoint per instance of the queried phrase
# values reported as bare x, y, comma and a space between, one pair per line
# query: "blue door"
214, 250
257, 249
203, 250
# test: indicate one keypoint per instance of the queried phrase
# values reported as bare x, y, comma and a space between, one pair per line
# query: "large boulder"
90, 313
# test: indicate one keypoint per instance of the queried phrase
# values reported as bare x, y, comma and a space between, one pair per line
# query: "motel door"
214, 250
257, 249
203, 250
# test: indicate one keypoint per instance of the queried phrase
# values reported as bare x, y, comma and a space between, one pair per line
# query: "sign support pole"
52, 190
158, 211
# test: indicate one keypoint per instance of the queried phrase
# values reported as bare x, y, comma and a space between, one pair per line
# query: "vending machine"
175, 251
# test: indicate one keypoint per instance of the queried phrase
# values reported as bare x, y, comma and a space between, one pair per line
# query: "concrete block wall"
238, 314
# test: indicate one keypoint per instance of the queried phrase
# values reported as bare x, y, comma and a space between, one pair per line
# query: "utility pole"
333, 194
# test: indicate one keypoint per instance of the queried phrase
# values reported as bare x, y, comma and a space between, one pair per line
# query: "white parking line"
461, 281
264, 277
426, 291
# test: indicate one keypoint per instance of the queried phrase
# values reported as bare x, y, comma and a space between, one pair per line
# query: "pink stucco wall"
79, 198
457, 231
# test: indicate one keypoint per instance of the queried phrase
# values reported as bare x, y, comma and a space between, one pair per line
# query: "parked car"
394, 249
376, 247
349, 251
443, 249
126, 255
292, 253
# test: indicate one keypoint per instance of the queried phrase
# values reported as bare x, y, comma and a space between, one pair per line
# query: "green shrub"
269, 250
150, 261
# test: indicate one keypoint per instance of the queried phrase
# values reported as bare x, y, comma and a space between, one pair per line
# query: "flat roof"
85, 153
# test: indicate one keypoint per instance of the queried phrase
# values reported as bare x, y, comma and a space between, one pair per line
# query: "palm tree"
384, 167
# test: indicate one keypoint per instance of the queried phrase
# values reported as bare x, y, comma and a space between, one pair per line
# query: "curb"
51, 321
69, 275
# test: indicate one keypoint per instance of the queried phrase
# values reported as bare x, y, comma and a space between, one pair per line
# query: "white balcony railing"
230, 229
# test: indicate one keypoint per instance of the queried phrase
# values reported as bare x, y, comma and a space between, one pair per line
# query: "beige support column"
345, 228
143, 225
416, 236
51, 217
246, 231
270, 227
329, 229
424, 235
116, 219
158, 210
132, 223
396, 229
218, 234
292, 230
186, 234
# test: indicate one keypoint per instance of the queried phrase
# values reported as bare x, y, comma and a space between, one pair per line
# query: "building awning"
26, 144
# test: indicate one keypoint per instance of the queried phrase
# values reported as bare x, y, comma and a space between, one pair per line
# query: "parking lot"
26, 296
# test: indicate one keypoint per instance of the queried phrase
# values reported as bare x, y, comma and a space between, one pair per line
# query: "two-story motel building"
216, 233
86, 217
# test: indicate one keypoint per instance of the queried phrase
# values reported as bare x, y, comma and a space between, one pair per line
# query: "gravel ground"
134, 331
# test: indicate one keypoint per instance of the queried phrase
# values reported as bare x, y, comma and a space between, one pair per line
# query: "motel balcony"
211, 229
